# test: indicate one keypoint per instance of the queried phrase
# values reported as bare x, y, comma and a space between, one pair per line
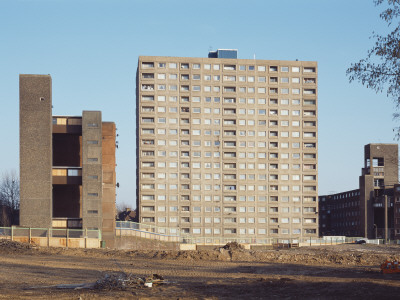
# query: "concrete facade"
35, 150
369, 211
227, 147
92, 168
109, 181
67, 172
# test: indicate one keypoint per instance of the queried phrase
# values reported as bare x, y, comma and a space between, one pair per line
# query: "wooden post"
85, 238
12, 233
386, 219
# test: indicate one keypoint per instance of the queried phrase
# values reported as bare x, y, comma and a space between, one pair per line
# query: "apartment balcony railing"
67, 175
71, 223
67, 125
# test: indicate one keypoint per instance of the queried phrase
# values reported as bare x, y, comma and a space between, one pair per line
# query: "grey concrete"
35, 150
91, 204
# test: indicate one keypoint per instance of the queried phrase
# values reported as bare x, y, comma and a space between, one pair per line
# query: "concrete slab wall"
91, 166
109, 182
35, 150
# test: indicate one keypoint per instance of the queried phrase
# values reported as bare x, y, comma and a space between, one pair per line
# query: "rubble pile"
123, 281
233, 246
11, 246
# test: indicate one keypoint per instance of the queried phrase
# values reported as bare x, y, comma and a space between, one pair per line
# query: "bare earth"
326, 272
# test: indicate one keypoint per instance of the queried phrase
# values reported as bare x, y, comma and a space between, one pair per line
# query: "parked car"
361, 241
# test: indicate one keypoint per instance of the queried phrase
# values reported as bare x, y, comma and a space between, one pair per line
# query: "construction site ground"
325, 272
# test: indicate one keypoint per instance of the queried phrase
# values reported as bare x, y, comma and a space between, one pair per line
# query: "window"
295, 91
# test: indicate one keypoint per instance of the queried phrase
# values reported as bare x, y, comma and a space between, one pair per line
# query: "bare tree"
9, 194
122, 206
125, 212
380, 70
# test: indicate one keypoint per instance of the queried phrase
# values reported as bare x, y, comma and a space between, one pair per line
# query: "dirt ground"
326, 272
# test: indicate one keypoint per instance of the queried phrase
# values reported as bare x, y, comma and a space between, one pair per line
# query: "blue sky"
91, 47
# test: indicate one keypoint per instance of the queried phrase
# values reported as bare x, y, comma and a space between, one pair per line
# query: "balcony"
67, 175
380, 201
67, 125
67, 223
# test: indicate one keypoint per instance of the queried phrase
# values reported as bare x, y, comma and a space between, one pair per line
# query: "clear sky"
91, 47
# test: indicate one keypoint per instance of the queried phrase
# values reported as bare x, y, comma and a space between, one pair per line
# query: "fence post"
85, 238
12, 233
30, 235
48, 237
66, 240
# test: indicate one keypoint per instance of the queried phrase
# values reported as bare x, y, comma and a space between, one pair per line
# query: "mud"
329, 272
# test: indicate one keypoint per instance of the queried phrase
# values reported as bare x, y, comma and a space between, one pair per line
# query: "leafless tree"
380, 70
9, 194
122, 206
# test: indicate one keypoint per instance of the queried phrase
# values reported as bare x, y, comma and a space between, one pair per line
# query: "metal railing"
128, 225
166, 233
263, 241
